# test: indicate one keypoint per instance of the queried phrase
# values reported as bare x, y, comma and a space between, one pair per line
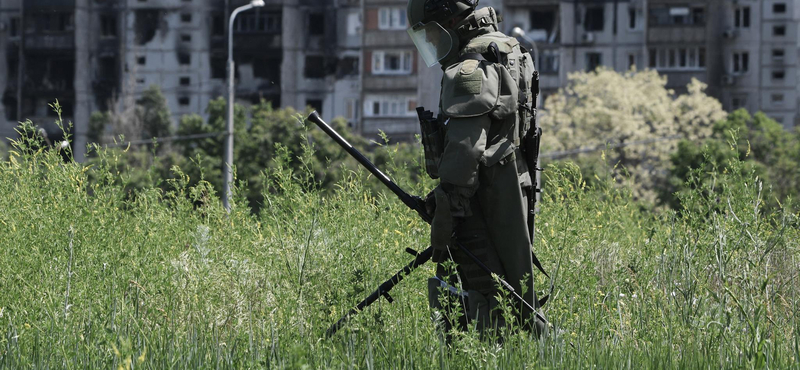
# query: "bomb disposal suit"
474, 148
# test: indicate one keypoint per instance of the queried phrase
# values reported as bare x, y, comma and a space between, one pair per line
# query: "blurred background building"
353, 58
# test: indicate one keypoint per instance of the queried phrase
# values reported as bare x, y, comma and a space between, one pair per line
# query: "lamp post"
519, 32
229, 134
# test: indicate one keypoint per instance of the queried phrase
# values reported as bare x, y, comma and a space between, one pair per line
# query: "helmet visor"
432, 41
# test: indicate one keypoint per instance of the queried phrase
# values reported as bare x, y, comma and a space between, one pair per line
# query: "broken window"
741, 17
315, 67
594, 19
186, 37
779, 31
184, 58
315, 104
778, 75
146, 24
631, 18
544, 24
219, 67
108, 25
348, 66
186, 17
779, 8
14, 27
269, 22
316, 24
268, 69
141, 60
777, 55
184, 101
218, 25
185, 81
593, 60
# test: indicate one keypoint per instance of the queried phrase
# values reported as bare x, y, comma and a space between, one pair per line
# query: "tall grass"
93, 277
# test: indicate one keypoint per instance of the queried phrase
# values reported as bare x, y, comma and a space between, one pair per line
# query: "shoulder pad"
470, 88
481, 43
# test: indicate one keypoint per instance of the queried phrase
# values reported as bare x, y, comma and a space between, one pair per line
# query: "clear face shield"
432, 41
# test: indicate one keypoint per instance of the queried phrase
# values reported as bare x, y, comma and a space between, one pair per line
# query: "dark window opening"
631, 18
108, 25
186, 17
778, 75
631, 61
778, 54
186, 38
779, 8
146, 24
184, 101
14, 27
594, 19
315, 104
217, 25
376, 108
742, 17
184, 58
348, 66
593, 60
268, 69
701, 57
779, 31
219, 67
141, 60
185, 81
698, 16
544, 18
316, 24
652, 61
315, 67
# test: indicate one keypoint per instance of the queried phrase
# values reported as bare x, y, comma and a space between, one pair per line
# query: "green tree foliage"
760, 143
633, 110
152, 111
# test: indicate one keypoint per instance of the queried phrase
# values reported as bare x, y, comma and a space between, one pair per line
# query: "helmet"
426, 17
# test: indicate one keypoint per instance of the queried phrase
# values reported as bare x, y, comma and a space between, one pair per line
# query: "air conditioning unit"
588, 37
730, 33
728, 80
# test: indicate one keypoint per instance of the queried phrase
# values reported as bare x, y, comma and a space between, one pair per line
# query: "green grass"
93, 277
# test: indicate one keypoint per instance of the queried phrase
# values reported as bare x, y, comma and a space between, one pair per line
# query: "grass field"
92, 277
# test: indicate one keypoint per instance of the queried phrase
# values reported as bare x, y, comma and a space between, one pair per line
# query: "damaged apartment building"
746, 51
95, 55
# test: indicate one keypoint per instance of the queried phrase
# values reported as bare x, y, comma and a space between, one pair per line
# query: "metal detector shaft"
414, 203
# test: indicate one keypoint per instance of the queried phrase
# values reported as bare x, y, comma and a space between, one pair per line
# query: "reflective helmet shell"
424, 11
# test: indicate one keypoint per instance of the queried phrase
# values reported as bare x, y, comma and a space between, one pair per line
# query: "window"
186, 37
779, 8
219, 67
631, 60
631, 18
186, 17
262, 22
14, 28
677, 15
184, 101
677, 58
739, 101
316, 24
315, 104
549, 62
108, 25
593, 60
348, 66
140, 81
185, 81
594, 18
141, 60
777, 98
351, 109
218, 25
740, 62
184, 58
353, 24
315, 67
392, 19
389, 106
392, 62
778, 75
779, 31
777, 55
741, 17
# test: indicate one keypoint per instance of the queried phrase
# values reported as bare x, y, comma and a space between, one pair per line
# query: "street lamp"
229, 134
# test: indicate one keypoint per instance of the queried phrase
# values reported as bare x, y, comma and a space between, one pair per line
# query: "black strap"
471, 56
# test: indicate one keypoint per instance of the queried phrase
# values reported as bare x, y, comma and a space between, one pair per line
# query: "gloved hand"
430, 202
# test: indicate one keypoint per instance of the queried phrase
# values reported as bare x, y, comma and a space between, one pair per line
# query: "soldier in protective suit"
485, 110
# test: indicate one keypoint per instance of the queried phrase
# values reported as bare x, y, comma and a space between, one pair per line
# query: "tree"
633, 110
152, 111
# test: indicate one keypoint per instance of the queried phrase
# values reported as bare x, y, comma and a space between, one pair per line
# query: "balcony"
390, 82
54, 41
676, 34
